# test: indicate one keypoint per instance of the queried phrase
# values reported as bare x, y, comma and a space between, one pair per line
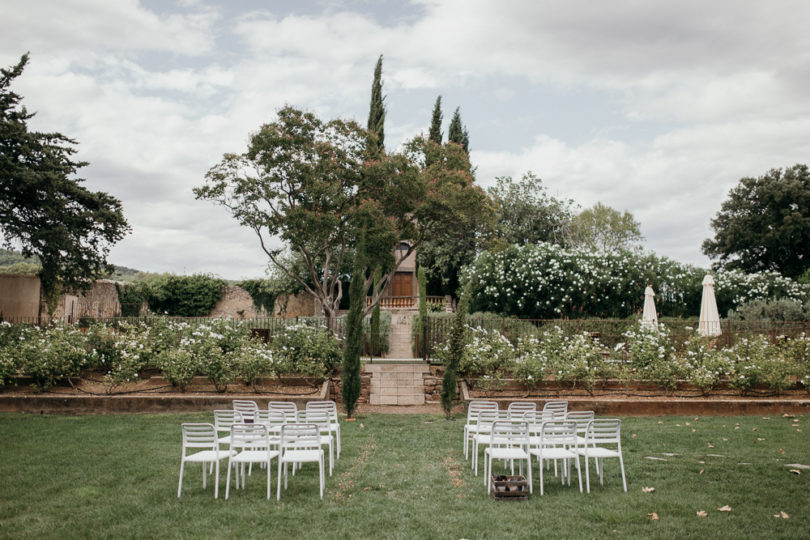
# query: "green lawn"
400, 476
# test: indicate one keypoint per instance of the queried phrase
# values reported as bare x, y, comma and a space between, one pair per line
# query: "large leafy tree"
764, 224
43, 208
527, 214
313, 184
376, 113
603, 228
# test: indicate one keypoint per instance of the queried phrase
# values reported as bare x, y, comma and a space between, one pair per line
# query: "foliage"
457, 133
704, 365
780, 309
131, 296
580, 360
353, 345
757, 362
25, 268
546, 281
178, 366
376, 113
435, 132
527, 214
652, 356
764, 224
251, 362
606, 229
42, 209
184, 296
376, 336
305, 350
455, 355
52, 354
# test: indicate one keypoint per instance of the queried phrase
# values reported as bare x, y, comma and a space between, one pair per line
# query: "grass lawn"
400, 476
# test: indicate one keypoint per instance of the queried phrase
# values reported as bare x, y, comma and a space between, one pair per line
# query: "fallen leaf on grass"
799, 430
697, 418
634, 435
660, 422
795, 471
782, 450
362, 426
755, 429
710, 445
653, 516
725, 508
782, 515
701, 513
701, 471
766, 417
693, 430
648, 489
725, 439
760, 439
786, 415
677, 425
688, 424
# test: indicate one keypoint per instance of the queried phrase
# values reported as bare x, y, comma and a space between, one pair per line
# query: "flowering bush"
178, 366
704, 365
547, 281
581, 360
51, 354
487, 352
758, 362
532, 361
253, 361
652, 355
305, 350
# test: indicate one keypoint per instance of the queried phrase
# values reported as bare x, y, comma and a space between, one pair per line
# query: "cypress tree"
435, 133
376, 113
353, 346
422, 281
457, 343
376, 348
457, 133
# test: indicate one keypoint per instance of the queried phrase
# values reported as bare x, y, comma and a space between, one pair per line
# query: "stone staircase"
397, 383
399, 345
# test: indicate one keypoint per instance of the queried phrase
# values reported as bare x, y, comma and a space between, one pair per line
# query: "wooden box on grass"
509, 488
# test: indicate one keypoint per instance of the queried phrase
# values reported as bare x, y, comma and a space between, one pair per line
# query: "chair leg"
540, 468
320, 476
278, 480
269, 478
228, 480
216, 480
203, 471
529, 472
587, 475
579, 474
601, 467
624, 480
180, 484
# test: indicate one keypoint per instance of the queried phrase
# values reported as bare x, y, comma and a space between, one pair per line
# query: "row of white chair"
522, 432
259, 436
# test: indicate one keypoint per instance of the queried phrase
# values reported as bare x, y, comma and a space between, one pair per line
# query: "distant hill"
13, 262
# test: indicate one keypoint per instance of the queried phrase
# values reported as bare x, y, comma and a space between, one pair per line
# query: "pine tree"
435, 133
376, 113
457, 133
353, 347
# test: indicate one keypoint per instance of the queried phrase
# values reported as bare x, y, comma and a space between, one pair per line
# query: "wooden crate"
509, 488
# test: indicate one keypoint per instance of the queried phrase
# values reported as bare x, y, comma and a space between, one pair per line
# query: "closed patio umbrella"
649, 317
709, 316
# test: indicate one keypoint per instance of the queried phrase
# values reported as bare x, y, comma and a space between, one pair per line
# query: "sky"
658, 108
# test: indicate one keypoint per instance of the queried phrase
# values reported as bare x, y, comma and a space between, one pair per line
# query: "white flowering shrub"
652, 354
49, 355
305, 350
704, 366
178, 366
757, 361
533, 360
798, 350
546, 281
252, 362
488, 353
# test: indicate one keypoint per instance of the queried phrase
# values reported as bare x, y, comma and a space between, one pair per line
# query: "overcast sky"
654, 107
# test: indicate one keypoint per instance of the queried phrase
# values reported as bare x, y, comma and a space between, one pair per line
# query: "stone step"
397, 384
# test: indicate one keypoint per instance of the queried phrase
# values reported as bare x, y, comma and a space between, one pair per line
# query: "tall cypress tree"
376, 113
353, 345
457, 342
457, 133
435, 133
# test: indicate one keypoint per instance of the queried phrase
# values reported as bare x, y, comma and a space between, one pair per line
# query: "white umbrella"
709, 316
649, 317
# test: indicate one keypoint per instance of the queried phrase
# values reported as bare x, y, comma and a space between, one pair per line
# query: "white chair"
555, 410
288, 407
320, 417
483, 433
517, 408
601, 432
558, 440
203, 436
223, 420
582, 418
471, 426
250, 443
508, 441
300, 443
246, 408
334, 423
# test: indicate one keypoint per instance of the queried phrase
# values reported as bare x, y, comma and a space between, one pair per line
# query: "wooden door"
403, 284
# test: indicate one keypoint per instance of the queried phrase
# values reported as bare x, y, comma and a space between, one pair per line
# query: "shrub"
306, 350
704, 365
581, 360
532, 361
487, 352
52, 354
252, 362
184, 296
178, 366
781, 309
652, 356
759, 362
